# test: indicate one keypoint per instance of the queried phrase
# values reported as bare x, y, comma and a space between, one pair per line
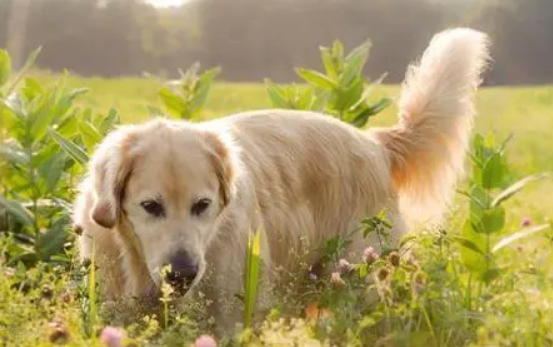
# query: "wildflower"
65, 297
58, 332
47, 291
344, 267
112, 337
526, 221
370, 256
383, 274
337, 280
394, 259
205, 341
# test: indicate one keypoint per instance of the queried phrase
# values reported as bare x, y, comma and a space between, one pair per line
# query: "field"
452, 309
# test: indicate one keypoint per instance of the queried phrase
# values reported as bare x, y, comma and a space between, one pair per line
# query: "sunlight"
166, 3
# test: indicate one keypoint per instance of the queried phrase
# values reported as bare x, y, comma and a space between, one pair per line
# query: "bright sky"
165, 3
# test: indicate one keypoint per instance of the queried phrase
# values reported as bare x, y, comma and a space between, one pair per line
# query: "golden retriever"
188, 194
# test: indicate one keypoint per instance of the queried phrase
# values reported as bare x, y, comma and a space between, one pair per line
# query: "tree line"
253, 39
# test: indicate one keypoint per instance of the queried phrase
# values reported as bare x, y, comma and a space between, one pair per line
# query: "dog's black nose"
183, 270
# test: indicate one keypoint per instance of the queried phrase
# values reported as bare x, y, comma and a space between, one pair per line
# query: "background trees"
252, 39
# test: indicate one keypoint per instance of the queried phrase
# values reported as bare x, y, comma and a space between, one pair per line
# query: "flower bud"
337, 280
525, 222
57, 331
205, 341
344, 267
383, 274
370, 256
112, 337
394, 259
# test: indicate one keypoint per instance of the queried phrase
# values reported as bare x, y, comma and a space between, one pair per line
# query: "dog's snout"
183, 270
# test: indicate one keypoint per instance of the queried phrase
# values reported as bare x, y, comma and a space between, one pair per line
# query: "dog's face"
168, 183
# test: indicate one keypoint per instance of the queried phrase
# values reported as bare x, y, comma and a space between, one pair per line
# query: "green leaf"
320, 99
108, 124
519, 235
12, 154
51, 242
317, 79
204, 84
329, 63
17, 210
52, 170
5, 67
89, 134
32, 88
70, 148
253, 261
516, 187
276, 94
66, 101
338, 51
473, 259
468, 244
43, 119
68, 126
355, 62
492, 273
172, 102
368, 91
305, 99
492, 220
30, 61
493, 174
361, 119
505, 142
349, 96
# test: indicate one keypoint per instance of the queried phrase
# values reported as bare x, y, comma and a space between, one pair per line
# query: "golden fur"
297, 175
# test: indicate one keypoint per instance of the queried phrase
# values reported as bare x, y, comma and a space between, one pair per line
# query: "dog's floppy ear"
222, 161
110, 168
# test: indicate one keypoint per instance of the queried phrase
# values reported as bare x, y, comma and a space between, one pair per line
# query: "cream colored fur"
300, 176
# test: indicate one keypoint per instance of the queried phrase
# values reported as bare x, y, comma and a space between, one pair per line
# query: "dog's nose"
183, 270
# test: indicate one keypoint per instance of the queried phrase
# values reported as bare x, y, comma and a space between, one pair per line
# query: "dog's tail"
427, 147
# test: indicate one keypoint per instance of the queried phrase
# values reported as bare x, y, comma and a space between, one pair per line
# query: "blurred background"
254, 39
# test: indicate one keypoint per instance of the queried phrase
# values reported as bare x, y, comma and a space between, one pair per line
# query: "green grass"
515, 311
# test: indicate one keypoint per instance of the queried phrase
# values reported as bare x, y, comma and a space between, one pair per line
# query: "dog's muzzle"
184, 270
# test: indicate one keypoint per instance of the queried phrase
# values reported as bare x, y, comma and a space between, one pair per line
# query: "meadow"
438, 298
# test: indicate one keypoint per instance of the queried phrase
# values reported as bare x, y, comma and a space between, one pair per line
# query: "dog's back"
316, 177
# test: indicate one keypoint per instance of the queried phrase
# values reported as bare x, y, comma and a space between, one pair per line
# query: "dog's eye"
155, 208
200, 206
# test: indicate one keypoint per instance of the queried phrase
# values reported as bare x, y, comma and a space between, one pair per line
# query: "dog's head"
166, 183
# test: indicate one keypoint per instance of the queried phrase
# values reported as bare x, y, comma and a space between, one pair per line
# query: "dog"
188, 195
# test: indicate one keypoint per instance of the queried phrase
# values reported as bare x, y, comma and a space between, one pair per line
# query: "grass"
450, 310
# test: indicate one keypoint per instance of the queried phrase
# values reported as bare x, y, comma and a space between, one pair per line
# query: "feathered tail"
427, 147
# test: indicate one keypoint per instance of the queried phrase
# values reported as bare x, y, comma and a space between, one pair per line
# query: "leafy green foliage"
341, 91
186, 97
38, 174
490, 172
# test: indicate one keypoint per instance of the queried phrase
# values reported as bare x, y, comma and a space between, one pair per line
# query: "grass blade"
519, 235
516, 187
252, 276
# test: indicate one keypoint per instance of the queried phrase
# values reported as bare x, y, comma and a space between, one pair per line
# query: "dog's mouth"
171, 287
